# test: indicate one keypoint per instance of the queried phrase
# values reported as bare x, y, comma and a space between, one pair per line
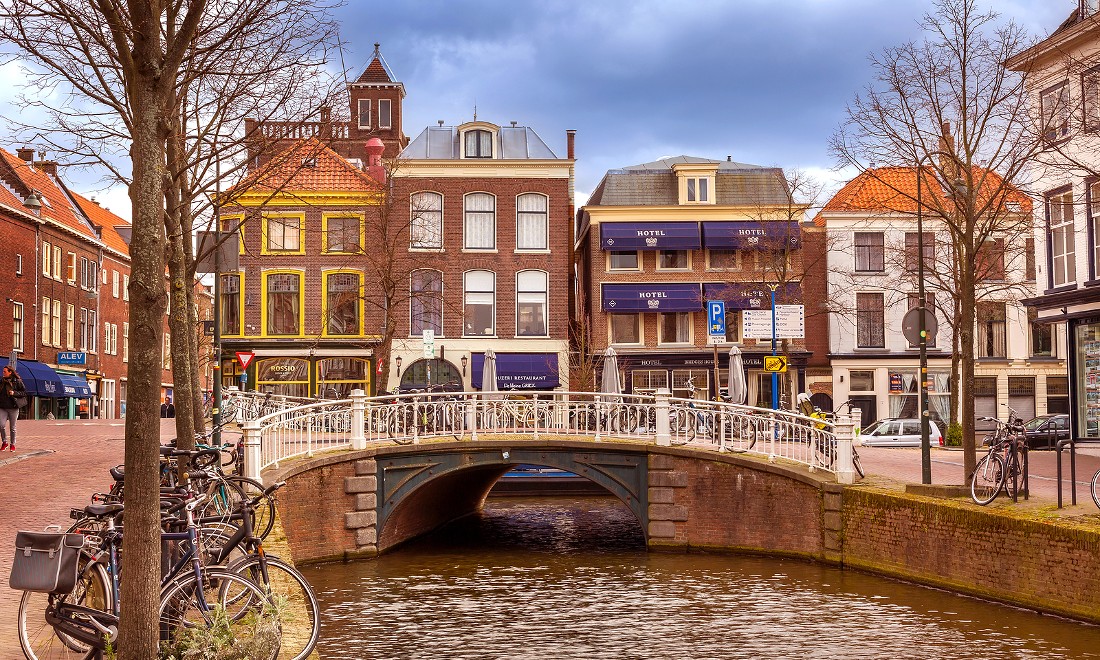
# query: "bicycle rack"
1072, 469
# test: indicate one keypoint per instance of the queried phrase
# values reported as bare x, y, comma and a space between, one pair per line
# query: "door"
868, 408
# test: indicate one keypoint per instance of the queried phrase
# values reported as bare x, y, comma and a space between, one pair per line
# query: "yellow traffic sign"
775, 363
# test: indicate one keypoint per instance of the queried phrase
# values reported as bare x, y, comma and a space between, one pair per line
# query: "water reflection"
570, 578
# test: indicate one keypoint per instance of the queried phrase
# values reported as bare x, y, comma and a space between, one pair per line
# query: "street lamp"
397, 361
464, 360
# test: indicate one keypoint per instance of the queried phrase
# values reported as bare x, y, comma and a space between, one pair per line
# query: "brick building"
658, 240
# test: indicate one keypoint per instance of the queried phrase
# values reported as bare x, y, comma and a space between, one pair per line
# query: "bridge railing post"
358, 419
599, 416
663, 433
251, 442
844, 431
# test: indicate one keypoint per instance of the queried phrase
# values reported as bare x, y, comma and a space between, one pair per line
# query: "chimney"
47, 166
948, 165
570, 139
374, 148
26, 154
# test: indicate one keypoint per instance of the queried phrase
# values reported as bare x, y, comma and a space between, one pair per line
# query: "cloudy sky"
763, 81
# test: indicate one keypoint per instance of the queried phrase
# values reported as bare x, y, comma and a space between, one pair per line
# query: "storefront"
519, 371
302, 377
645, 373
1084, 340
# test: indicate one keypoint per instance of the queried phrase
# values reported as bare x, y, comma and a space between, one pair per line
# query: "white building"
871, 230
1062, 74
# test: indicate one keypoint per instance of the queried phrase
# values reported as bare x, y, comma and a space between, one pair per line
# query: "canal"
569, 577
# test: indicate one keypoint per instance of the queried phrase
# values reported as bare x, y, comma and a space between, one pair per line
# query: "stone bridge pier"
361, 503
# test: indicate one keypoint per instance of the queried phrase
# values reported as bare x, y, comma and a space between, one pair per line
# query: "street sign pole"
775, 375
716, 332
216, 390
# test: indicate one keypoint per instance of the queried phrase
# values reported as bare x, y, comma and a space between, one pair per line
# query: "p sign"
716, 318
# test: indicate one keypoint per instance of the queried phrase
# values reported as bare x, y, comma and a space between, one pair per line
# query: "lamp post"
464, 361
397, 361
925, 445
216, 390
775, 375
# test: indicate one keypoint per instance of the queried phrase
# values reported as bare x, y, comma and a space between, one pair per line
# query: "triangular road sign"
245, 358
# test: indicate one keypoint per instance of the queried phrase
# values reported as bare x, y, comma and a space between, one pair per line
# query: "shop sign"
897, 384
72, 357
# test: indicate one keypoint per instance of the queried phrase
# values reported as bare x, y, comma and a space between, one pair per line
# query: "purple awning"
650, 236
519, 371
751, 235
652, 297
752, 295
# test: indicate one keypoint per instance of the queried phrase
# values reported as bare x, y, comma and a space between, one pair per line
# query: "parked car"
1044, 431
899, 433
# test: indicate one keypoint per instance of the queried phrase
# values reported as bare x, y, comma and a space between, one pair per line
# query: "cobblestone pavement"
59, 464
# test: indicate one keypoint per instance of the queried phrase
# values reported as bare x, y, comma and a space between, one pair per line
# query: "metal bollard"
251, 443
358, 419
664, 435
843, 429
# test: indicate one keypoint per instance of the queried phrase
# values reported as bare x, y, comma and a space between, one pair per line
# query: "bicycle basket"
45, 562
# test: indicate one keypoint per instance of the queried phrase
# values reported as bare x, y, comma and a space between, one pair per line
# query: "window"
479, 144
125, 342
70, 268
674, 328
125, 287
55, 327
478, 314
1094, 227
861, 381
1029, 259
283, 234
70, 327
93, 332
1060, 219
233, 226
83, 273
57, 262
426, 305
106, 338
648, 381
364, 113
722, 259
1042, 339
672, 260
343, 234
342, 303
733, 325
1058, 395
622, 261
17, 327
480, 229
870, 315
1090, 97
427, 220
625, 328
1055, 112
991, 330
284, 303
531, 287
870, 257
929, 239
83, 329
47, 251
115, 281
773, 261
929, 311
384, 118
698, 190
18, 264
167, 354
991, 260
46, 307
531, 222
230, 293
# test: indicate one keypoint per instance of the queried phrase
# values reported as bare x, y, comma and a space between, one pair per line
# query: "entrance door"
868, 408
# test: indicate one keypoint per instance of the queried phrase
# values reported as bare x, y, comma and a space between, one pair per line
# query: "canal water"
570, 578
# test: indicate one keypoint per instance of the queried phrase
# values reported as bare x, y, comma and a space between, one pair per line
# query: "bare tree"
954, 77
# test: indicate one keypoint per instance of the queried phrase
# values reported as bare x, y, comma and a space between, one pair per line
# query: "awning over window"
74, 386
752, 295
751, 235
650, 236
652, 297
39, 379
519, 371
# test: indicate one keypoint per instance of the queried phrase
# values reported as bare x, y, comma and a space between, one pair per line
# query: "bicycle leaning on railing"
1001, 469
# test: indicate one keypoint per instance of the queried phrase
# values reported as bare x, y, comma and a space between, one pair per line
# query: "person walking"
13, 396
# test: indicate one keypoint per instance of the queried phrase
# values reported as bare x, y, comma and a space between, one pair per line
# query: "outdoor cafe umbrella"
489, 372
737, 387
610, 381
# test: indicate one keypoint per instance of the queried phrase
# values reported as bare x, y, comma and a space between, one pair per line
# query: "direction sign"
245, 358
790, 322
775, 363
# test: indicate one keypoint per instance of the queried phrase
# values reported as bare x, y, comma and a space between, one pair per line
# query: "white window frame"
47, 255
479, 294
93, 332
414, 300
636, 269
45, 312
125, 287
467, 220
385, 113
115, 281
637, 323
698, 190
1061, 239
685, 267
690, 321
125, 342
55, 330
18, 326
422, 211
361, 114
70, 326
530, 296
57, 262
70, 269
538, 238
18, 264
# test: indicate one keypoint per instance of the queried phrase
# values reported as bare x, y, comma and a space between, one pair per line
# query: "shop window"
648, 381
342, 303
337, 377
531, 222
622, 260
284, 376
531, 306
690, 383
904, 397
861, 381
284, 303
480, 222
426, 209
478, 311
991, 340
426, 304
436, 371
674, 328
1086, 399
1058, 395
625, 328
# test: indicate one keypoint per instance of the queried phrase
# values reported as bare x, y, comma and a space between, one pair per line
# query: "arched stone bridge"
364, 502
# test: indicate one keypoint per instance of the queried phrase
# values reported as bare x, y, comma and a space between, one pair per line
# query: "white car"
899, 433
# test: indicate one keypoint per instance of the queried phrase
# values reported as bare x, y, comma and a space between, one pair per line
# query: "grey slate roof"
654, 184
512, 143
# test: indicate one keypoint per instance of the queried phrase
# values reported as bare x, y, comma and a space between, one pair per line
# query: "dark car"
1044, 431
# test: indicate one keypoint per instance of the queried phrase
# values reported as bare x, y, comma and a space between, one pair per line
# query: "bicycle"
1002, 466
825, 444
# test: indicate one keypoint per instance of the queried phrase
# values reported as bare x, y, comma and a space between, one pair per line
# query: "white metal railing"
413, 418
245, 406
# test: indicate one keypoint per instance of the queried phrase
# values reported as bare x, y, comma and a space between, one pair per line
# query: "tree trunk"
966, 351
138, 634
179, 317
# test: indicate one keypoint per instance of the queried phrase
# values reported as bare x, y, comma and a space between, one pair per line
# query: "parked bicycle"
1002, 468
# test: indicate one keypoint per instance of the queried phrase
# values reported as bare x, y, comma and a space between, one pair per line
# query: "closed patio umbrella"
738, 388
609, 383
489, 373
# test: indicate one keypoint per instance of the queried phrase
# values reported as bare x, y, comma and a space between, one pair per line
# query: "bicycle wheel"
988, 479
1014, 474
223, 605
299, 612
856, 464
825, 451
264, 517
1093, 488
38, 639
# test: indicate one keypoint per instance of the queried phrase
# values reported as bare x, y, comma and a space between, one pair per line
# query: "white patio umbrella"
738, 388
489, 373
609, 384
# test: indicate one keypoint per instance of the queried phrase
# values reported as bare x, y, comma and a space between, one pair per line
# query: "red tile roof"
308, 166
57, 206
105, 219
894, 189
374, 73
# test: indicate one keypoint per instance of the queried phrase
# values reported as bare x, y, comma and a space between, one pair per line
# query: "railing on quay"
412, 418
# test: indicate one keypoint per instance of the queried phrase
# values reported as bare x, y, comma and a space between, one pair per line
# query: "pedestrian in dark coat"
13, 396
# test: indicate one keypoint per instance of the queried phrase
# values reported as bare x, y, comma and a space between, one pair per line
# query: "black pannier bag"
45, 561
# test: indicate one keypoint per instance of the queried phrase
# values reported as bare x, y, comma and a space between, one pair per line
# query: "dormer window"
479, 144
698, 190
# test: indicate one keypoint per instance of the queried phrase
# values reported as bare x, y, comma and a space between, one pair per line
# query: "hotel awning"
752, 295
751, 235
652, 297
649, 236
519, 371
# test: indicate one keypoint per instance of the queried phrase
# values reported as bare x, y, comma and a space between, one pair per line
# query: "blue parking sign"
716, 317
